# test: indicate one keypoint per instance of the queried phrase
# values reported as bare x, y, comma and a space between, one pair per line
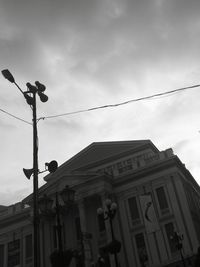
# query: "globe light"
108, 202
67, 195
113, 206
100, 211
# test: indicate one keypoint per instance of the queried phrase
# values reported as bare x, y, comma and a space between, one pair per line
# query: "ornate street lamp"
45, 206
108, 214
30, 96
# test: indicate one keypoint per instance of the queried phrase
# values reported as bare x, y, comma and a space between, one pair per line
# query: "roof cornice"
155, 168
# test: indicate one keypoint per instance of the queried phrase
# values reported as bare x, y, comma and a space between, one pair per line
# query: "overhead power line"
122, 103
13, 116
106, 106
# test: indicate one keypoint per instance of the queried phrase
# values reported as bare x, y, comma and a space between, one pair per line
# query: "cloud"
91, 53
178, 147
103, 42
63, 124
5, 125
7, 195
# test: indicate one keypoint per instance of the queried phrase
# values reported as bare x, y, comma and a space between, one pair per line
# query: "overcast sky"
90, 53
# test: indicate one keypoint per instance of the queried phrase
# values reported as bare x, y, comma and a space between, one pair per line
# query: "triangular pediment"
101, 151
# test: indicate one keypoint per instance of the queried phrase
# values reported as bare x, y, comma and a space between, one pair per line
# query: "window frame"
28, 259
165, 211
17, 252
138, 221
167, 238
148, 261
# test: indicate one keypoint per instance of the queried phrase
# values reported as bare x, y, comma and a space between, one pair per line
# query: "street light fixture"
45, 206
108, 214
7, 75
30, 96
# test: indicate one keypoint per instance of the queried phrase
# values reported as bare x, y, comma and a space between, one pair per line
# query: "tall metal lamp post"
108, 214
45, 205
30, 96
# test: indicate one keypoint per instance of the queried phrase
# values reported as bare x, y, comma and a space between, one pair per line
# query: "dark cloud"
104, 41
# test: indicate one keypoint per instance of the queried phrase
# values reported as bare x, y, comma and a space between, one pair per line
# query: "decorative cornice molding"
15, 218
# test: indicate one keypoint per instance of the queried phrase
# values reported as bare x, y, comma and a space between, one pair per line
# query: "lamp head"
7, 75
113, 206
67, 195
100, 211
108, 202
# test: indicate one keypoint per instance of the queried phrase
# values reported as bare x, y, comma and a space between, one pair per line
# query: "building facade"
156, 197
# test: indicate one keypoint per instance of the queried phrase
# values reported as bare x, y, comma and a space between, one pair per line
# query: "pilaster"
83, 222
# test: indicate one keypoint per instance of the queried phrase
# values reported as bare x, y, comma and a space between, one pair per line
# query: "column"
130, 252
86, 247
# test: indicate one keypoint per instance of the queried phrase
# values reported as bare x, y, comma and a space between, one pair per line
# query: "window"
162, 200
2, 255
169, 229
141, 249
14, 253
28, 248
134, 211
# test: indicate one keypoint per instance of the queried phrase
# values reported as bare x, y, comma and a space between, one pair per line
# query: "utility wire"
106, 106
11, 115
122, 103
